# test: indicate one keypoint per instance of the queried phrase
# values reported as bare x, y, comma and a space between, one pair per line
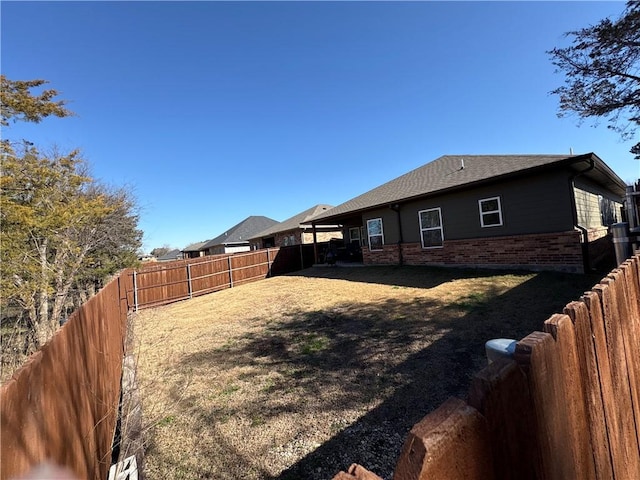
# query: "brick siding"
601, 251
555, 251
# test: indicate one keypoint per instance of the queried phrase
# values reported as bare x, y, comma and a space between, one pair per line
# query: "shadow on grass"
402, 276
394, 360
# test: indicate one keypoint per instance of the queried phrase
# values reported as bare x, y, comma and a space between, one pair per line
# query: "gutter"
574, 211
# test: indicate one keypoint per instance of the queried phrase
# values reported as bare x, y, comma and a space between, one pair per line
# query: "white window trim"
498, 211
381, 234
352, 238
431, 228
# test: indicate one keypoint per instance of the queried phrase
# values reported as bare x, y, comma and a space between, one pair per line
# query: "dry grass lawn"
298, 376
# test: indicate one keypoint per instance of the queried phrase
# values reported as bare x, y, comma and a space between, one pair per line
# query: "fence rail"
159, 284
156, 285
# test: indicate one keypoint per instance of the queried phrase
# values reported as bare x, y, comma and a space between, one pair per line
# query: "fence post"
230, 272
135, 291
189, 280
268, 262
301, 258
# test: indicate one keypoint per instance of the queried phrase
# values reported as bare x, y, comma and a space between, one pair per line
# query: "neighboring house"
297, 230
169, 256
194, 250
236, 239
147, 258
538, 212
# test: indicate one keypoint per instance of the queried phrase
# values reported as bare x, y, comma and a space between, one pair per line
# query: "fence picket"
587, 339
626, 461
500, 391
550, 361
450, 443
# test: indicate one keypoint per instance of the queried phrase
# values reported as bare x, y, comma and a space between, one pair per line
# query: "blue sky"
214, 111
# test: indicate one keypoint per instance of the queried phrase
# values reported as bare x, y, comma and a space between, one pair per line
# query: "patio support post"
315, 243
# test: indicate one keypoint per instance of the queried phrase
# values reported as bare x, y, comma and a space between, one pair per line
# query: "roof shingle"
242, 232
296, 221
444, 173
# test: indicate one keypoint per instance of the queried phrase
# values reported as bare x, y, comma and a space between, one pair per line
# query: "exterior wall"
192, 254
602, 255
291, 237
222, 249
387, 256
588, 209
297, 236
596, 209
555, 251
538, 203
237, 249
307, 237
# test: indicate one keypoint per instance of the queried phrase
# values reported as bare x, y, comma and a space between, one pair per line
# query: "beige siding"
595, 210
588, 208
321, 236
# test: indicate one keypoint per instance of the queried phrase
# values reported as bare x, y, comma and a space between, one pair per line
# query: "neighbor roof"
454, 171
242, 232
170, 255
297, 221
194, 247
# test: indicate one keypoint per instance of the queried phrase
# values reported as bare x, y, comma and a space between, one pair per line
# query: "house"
236, 239
297, 230
194, 250
170, 255
536, 212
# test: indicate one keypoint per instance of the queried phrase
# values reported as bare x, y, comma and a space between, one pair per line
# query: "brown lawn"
298, 376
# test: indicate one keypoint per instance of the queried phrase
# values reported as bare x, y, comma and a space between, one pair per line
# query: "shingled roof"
242, 232
194, 247
170, 255
297, 221
450, 172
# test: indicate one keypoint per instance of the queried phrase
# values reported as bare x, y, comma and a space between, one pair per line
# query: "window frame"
381, 234
424, 229
491, 212
352, 238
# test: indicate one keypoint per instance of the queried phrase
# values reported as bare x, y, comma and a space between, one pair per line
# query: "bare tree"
602, 73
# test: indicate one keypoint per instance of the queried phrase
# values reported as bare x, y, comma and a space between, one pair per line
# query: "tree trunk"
44, 329
64, 281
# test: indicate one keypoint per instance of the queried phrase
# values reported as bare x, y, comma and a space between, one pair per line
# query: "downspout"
396, 208
574, 210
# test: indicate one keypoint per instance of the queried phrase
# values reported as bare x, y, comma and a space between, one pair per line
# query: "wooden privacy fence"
162, 283
566, 407
62, 405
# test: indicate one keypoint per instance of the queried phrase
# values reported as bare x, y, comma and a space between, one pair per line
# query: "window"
609, 211
376, 237
354, 235
431, 228
490, 212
